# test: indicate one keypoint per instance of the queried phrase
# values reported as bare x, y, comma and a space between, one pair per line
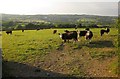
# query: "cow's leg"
68, 41
64, 40
75, 40
89, 41
102, 33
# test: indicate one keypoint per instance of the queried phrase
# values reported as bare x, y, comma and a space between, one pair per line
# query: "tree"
30, 26
19, 27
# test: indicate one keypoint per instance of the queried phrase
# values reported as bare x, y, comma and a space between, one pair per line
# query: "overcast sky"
31, 7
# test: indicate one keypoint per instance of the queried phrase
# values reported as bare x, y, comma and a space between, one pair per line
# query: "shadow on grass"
19, 35
100, 44
61, 47
15, 69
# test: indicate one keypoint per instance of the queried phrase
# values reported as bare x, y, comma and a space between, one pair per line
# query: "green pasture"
30, 46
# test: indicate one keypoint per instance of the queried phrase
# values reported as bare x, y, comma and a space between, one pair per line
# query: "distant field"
37, 53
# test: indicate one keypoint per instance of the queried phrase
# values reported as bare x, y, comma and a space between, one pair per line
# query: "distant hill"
11, 21
57, 18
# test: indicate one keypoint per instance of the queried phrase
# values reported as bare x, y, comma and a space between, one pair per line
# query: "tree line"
47, 25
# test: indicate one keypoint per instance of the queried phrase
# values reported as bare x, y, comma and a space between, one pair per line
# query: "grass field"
41, 53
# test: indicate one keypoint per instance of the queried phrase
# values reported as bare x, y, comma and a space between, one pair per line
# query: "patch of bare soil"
97, 68
64, 63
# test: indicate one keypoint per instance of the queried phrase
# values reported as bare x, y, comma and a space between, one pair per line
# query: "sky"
32, 7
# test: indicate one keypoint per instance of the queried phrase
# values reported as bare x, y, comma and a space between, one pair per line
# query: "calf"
54, 31
9, 32
104, 31
68, 36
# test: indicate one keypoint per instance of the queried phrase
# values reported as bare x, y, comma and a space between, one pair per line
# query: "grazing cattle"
104, 31
54, 31
87, 33
22, 30
38, 29
69, 35
9, 32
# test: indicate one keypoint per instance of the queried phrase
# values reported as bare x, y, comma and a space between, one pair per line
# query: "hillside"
57, 18
10, 21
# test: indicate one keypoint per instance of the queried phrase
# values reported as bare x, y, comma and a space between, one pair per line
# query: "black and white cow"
86, 33
104, 31
69, 35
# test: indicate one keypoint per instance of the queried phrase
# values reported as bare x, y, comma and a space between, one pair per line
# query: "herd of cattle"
68, 35
10, 31
87, 33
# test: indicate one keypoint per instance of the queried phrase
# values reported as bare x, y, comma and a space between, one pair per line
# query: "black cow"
9, 32
54, 31
37, 29
104, 31
22, 30
68, 36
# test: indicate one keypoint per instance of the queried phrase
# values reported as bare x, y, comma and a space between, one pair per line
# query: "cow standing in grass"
69, 35
54, 31
86, 33
37, 29
9, 32
104, 31
22, 30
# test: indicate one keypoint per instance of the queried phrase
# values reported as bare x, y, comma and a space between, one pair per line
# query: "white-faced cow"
104, 31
